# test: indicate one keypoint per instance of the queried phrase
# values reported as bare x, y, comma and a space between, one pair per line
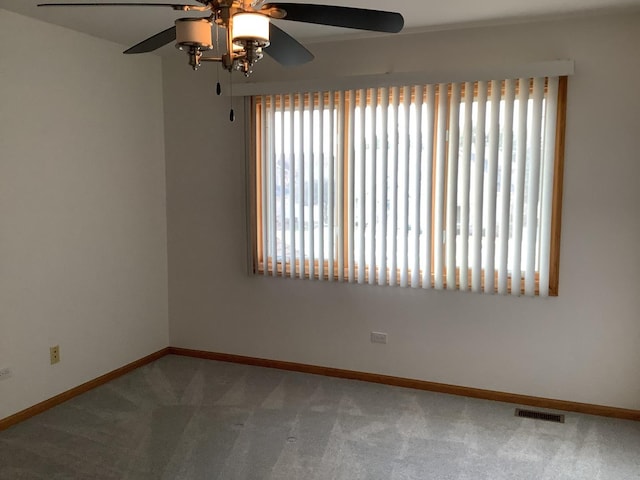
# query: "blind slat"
518, 204
427, 187
321, 152
373, 224
533, 187
351, 174
302, 190
341, 181
384, 169
547, 184
362, 185
273, 228
452, 185
264, 183
477, 189
417, 160
331, 200
312, 190
292, 189
404, 213
491, 188
439, 204
505, 188
283, 201
465, 182
393, 233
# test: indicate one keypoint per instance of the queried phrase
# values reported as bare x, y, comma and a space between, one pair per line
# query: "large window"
447, 186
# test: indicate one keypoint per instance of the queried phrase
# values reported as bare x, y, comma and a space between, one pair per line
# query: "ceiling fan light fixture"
250, 27
193, 32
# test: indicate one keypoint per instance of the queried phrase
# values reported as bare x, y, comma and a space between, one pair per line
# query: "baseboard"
85, 387
539, 402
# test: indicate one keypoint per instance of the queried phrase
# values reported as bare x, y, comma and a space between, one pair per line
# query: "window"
449, 186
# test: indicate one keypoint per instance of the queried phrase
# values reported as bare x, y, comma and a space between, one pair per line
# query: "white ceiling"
130, 25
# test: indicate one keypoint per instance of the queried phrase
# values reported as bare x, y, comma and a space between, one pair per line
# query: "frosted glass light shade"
194, 32
253, 27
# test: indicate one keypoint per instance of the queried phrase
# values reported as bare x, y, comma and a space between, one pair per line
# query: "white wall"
581, 346
82, 209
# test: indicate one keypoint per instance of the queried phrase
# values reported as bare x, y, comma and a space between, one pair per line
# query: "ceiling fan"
249, 32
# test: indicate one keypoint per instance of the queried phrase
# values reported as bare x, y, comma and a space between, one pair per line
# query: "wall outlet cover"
378, 337
54, 354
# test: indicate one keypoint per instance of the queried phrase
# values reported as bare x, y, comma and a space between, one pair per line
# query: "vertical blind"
446, 186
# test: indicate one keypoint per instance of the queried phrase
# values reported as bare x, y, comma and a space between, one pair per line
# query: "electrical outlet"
5, 373
378, 337
54, 353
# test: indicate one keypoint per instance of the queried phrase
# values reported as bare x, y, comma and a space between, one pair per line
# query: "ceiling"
128, 26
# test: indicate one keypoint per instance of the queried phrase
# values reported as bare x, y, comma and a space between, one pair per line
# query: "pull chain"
218, 86
232, 115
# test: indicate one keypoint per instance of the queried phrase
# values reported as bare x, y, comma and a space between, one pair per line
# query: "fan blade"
155, 42
285, 49
172, 5
360, 18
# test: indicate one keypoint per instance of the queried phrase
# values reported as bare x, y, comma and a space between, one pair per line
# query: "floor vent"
549, 417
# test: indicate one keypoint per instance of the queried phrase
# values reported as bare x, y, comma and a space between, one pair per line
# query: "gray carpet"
185, 418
